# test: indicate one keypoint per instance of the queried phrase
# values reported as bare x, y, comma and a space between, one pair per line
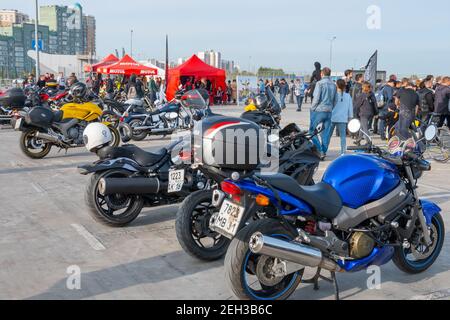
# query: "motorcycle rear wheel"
26, 145
102, 208
137, 135
241, 265
192, 229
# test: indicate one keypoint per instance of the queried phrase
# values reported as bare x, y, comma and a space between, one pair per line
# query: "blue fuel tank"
361, 178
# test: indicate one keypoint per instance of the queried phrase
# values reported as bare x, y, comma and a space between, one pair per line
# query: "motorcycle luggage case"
40, 117
13, 98
229, 143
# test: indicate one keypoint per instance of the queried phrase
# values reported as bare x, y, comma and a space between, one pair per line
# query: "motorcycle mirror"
354, 126
125, 132
430, 132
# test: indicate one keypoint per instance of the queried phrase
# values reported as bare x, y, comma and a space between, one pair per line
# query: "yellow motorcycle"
43, 128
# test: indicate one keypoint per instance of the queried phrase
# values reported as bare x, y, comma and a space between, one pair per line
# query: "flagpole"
36, 42
167, 62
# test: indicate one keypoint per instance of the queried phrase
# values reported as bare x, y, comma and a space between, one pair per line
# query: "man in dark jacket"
408, 100
426, 100
283, 91
441, 102
315, 77
109, 87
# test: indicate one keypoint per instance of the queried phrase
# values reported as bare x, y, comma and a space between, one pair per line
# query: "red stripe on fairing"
218, 125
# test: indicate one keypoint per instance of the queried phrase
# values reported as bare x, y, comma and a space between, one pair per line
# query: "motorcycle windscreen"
273, 102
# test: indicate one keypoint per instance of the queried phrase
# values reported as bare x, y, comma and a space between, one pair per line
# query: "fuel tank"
361, 178
87, 111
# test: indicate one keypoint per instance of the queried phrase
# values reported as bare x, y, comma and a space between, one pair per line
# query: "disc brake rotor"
421, 251
265, 273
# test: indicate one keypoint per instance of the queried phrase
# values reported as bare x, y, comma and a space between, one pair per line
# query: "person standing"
426, 100
261, 86
61, 81
441, 103
109, 87
408, 101
283, 91
315, 77
342, 113
229, 92
321, 108
348, 80
234, 91
291, 92
365, 108
299, 92
152, 90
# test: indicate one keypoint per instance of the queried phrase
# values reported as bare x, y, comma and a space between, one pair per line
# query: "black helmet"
261, 101
78, 90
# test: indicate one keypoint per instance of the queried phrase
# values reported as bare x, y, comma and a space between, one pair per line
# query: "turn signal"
262, 200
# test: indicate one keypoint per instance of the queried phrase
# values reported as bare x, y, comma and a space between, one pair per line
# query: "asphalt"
45, 232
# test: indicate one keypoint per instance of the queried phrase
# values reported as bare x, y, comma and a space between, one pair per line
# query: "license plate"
228, 218
18, 124
176, 180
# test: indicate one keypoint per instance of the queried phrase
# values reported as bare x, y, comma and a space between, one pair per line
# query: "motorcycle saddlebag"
229, 143
13, 98
40, 117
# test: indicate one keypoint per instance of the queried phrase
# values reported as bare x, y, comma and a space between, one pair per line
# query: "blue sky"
290, 34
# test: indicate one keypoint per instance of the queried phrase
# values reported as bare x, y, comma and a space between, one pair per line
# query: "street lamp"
36, 42
331, 51
131, 43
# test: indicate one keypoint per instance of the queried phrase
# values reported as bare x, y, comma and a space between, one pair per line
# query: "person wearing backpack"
426, 100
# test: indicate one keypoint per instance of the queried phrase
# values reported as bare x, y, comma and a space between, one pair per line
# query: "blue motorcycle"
364, 212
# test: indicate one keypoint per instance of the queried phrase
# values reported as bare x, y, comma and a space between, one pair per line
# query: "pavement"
47, 236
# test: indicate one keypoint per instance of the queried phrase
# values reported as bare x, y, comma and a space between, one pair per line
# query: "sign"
40, 44
246, 86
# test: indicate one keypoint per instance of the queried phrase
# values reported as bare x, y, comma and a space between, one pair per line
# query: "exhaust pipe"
108, 186
47, 137
290, 251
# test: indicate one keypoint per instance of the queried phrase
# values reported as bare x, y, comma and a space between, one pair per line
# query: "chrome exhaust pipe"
291, 251
48, 137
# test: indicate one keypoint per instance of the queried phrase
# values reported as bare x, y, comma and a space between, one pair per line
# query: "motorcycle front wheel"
33, 147
115, 136
419, 257
250, 275
192, 228
114, 210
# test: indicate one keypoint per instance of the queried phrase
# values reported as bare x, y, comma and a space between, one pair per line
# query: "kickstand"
317, 276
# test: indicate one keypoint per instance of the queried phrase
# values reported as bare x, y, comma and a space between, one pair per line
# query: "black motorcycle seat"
322, 197
142, 157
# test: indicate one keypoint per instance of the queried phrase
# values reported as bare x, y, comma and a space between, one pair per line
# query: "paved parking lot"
45, 229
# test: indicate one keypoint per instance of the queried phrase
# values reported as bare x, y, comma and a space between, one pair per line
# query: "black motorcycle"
298, 157
127, 178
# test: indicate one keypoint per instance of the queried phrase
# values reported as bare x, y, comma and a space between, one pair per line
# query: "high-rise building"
10, 17
89, 32
67, 22
211, 57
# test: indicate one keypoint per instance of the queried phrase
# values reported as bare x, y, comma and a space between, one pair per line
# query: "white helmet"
96, 135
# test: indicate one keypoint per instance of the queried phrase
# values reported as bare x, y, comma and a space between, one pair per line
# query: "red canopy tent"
109, 60
194, 67
127, 66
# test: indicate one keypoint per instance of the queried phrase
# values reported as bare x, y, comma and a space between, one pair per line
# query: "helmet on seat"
78, 90
95, 136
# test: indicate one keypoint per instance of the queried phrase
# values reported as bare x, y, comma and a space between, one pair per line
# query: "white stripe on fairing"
93, 241
222, 127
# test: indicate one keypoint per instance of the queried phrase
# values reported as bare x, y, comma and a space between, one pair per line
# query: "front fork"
418, 211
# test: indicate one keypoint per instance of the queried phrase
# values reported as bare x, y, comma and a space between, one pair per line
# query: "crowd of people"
383, 109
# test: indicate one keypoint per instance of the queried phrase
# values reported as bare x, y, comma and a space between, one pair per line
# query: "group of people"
383, 109
60, 82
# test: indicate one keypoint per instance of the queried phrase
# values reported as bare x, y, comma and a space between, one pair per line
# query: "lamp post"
36, 42
331, 51
131, 43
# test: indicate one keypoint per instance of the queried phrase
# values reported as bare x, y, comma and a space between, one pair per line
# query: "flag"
370, 74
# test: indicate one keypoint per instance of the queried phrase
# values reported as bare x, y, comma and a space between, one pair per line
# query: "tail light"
233, 190
185, 155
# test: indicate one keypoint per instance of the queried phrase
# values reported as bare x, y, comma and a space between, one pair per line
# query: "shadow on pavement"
146, 271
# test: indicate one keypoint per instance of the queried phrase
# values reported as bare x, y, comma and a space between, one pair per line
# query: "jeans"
442, 119
382, 128
365, 125
282, 100
325, 119
404, 123
299, 102
342, 129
